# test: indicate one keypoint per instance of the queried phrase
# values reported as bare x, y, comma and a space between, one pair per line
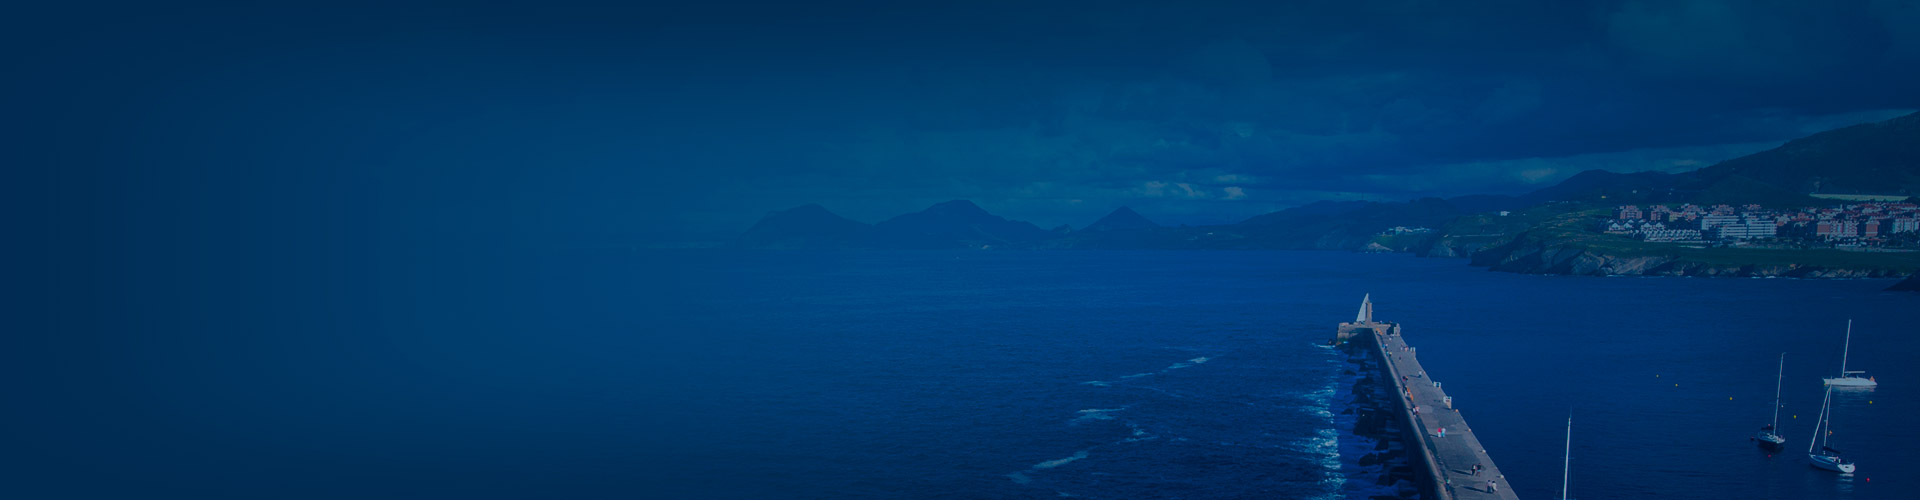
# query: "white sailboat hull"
1770, 439
1851, 382
1830, 462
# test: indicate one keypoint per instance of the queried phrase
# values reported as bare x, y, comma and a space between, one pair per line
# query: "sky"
457, 123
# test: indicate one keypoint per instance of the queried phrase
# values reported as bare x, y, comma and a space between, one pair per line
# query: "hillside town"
1859, 225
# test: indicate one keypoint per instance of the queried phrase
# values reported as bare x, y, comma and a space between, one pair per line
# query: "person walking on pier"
1492, 486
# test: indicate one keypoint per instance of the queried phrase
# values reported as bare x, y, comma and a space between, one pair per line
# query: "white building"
1746, 228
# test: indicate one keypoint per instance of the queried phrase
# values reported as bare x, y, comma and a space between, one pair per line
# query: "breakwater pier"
1444, 453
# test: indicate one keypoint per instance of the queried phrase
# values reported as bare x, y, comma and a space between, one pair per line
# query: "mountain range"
952, 224
1877, 158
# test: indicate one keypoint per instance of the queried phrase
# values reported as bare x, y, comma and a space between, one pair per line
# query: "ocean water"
700, 374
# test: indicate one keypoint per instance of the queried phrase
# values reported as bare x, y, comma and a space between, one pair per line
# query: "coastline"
1587, 261
1561, 245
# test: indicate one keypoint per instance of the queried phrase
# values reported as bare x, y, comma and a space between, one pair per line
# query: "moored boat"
1826, 457
1850, 378
1769, 436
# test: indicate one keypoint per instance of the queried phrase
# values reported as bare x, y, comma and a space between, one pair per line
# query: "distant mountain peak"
806, 226
1122, 219
956, 207
959, 223
807, 209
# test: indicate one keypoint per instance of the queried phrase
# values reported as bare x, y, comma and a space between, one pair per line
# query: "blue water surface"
621, 373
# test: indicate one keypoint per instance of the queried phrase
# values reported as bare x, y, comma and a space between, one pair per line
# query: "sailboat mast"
1846, 348
1824, 436
1776, 393
1567, 470
1820, 422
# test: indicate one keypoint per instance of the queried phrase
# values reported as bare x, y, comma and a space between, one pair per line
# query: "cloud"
1207, 112
1197, 110
1158, 189
1538, 175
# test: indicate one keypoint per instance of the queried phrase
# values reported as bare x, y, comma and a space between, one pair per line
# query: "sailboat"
1826, 457
1850, 378
1768, 436
1366, 310
1566, 470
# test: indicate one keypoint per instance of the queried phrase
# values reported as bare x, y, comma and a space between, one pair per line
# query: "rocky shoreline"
1577, 261
1382, 470
1911, 284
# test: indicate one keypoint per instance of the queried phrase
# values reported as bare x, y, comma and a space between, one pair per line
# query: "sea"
664, 374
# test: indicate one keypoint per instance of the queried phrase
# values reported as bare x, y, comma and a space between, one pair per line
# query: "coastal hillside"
1879, 159
1868, 159
1566, 244
1464, 235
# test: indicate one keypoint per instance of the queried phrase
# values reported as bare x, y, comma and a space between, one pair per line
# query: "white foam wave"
1322, 401
1060, 461
1175, 366
1094, 414
1138, 434
1325, 445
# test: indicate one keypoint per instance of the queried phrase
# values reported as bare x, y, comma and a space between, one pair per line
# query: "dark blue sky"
581, 123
